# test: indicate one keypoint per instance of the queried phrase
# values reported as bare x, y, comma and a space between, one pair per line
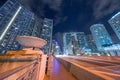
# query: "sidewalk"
58, 72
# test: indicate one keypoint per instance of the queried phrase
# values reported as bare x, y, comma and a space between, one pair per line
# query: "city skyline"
75, 16
44, 30
16, 20
75, 43
59, 39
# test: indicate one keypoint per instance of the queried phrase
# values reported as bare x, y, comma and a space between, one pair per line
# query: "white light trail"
9, 24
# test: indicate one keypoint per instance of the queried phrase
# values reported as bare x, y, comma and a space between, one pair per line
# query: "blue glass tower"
56, 47
91, 44
74, 43
101, 36
46, 33
115, 24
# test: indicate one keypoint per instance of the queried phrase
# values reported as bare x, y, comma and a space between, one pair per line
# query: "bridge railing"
22, 67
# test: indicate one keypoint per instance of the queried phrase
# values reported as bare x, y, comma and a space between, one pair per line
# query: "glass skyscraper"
91, 43
36, 27
101, 36
74, 43
15, 20
115, 24
56, 48
46, 33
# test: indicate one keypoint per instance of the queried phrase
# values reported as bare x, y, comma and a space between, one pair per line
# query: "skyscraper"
15, 20
101, 36
82, 42
74, 43
91, 43
56, 48
36, 27
46, 33
67, 43
115, 24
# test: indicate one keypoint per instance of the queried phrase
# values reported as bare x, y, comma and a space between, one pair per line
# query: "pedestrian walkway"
58, 72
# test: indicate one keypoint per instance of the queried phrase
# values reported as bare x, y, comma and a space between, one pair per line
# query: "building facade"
91, 44
74, 43
36, 27
56, 50
15, 20
46, 33
100, 36
115, 24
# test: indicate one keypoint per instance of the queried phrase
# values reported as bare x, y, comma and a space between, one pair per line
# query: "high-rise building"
15, 20
115, 24
56, 48
74, 43
101, 36
36, 27
82, 42
46, 33
91, 44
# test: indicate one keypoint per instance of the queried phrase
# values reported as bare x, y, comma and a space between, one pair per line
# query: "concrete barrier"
22, 66
85, 73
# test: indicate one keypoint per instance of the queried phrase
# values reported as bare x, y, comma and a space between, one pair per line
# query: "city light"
101, 36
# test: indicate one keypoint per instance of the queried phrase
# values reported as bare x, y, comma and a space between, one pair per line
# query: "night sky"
74, 15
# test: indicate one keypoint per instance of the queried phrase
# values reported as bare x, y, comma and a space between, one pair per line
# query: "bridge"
41, 67
92, 67
33, 64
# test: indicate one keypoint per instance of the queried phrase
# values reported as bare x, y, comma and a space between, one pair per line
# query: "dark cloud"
53, 4
59, 19
102, 8
26, 3
73, 15
46, 8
